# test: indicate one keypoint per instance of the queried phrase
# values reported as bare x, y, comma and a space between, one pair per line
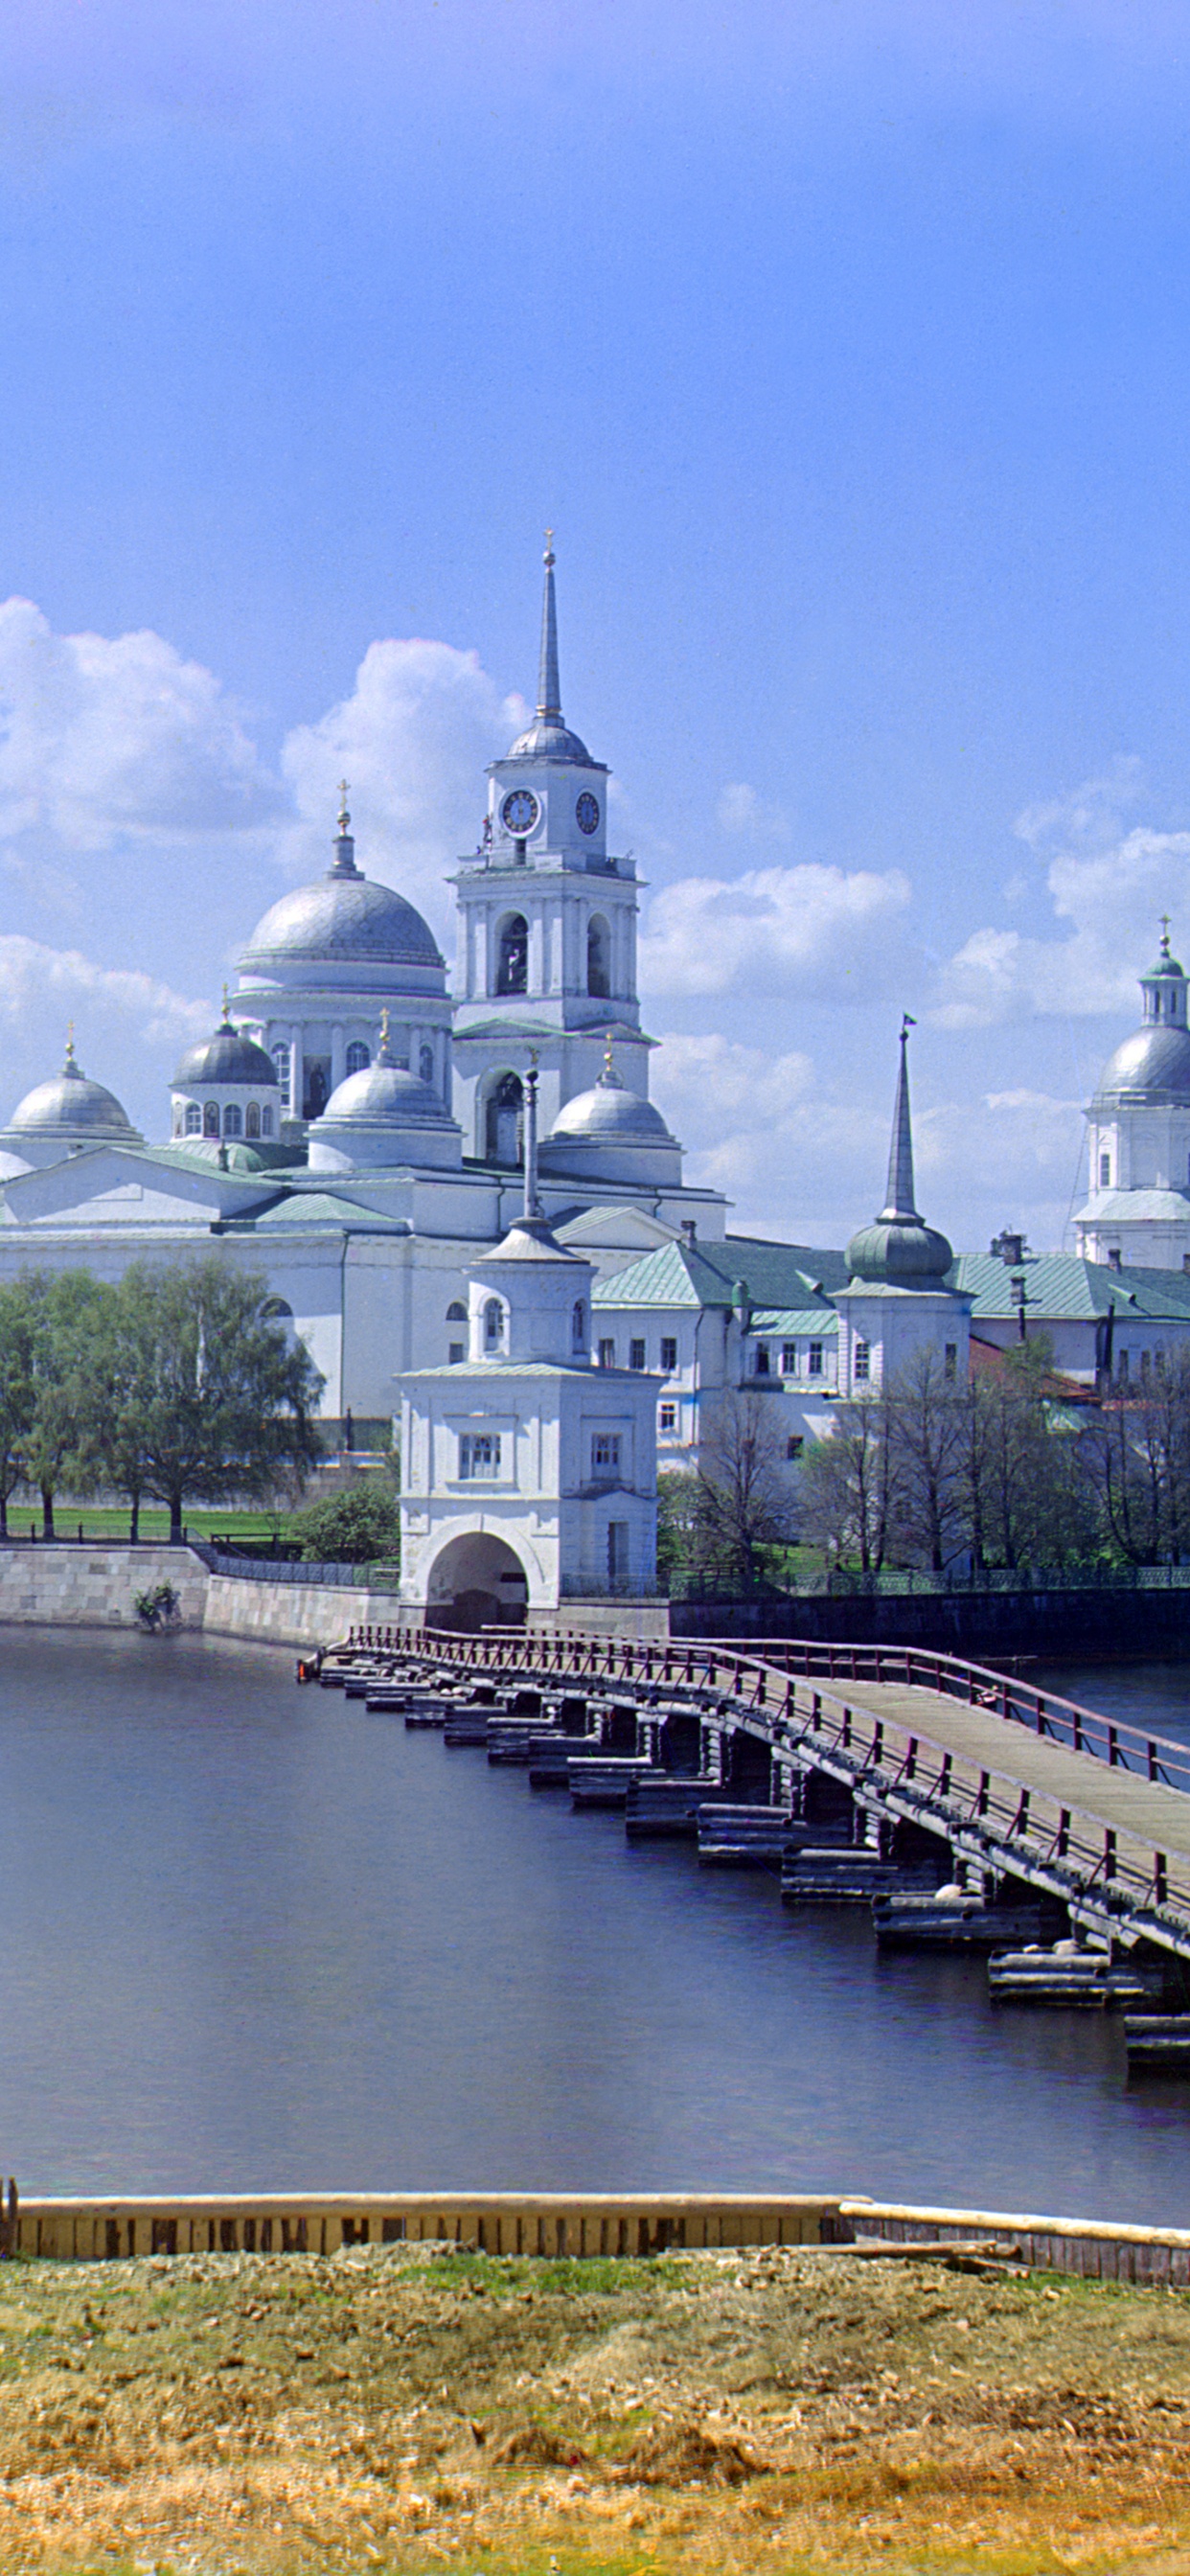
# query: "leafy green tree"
848, 1487
1026, 1496
211, 1401
349, 1529
69, 1317
678, 1531
16, 1389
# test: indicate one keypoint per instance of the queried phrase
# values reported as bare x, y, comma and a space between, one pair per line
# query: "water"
254, 1938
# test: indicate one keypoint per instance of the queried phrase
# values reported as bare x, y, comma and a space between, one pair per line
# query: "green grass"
112, 1520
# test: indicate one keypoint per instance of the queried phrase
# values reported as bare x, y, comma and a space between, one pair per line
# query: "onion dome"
548, 738
898, 1250
610, 1111
342, 920
70, 1105
1153, 1065
383, 1114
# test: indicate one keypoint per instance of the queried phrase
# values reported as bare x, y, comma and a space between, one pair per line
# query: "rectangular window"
605, 1453
669, 1355
667, 1417
636, 1355
617, 1553
1105, 1171
789, 1359
479, 1454
762, 1359
861, 1362
950, 1362
607, 1355
815, 1359
458, 1353
794, 1445
1144, 1366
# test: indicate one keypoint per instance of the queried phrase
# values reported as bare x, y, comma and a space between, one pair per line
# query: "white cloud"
129, 1027
741, 811
413, 741
108, 737
774, 929
1110, 884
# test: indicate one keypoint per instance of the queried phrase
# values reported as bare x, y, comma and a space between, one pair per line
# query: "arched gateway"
476, 1581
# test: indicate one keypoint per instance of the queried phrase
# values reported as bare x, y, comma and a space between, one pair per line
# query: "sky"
845, 349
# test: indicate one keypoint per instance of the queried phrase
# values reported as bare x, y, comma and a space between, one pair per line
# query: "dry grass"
261, 2416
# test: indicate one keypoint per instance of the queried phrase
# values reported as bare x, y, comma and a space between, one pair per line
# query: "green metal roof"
782, 1278
1061, 1288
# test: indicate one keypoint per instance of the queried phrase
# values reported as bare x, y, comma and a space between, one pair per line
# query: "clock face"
519, 812
586, 812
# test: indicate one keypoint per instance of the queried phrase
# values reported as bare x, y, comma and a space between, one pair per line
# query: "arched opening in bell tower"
504, 1121
512, 955
599, 949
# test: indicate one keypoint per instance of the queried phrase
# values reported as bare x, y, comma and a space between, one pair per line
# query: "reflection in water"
253, 1937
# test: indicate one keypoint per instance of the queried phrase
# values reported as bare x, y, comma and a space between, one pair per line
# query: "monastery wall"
68, 1585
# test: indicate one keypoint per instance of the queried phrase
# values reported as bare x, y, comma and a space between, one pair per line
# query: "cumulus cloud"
774, 929
104, 737
129, 1026
413, 741
1105, 879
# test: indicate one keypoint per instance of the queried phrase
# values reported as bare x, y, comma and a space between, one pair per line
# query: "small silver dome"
383, 1093
1153, 1063
228, 1056
69, 1103
609, 1110
546, 740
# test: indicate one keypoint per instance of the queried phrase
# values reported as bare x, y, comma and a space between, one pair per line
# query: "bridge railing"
989, 1812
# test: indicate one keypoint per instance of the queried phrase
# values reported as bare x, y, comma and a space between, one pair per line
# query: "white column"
338, 1058
297, 1072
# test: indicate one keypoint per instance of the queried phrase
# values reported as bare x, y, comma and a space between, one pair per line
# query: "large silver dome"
228, 1056
609, 1110
70, 1104
1153, 1064
342, 919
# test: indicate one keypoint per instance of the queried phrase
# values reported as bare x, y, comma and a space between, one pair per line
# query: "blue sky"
844, 347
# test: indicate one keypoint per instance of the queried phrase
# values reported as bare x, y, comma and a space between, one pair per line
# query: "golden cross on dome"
1165, 934
226, 1009
608, 1066
70, 1042
384, 1026
344, 816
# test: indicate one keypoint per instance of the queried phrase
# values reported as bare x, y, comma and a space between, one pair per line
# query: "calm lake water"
252, 1937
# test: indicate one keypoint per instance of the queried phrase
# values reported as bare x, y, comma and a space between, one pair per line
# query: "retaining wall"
62, 1584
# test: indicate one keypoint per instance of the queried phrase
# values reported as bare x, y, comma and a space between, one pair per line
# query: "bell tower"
547, 928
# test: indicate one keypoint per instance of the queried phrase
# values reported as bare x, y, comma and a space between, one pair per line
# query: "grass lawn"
698, 2415
102, 1521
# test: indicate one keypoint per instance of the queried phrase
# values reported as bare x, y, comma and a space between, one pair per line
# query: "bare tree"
848, 1485
926, 1412
745, 1492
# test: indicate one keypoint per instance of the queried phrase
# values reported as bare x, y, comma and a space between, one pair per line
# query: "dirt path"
763, 2411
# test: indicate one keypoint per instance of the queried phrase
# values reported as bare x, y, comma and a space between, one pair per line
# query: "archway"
512, 955
599, 946
502, 1121
477, 1581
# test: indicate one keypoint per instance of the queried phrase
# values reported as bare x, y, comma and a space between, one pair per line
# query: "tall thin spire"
549, 695
899, 1196
532, 1201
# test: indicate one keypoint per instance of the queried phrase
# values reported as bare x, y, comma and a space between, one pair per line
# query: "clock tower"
547, 930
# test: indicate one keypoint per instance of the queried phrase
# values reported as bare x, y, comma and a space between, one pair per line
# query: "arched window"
210, 1118
233, 1119
266, 1122
599, 949
503, 1138
281, 1061
358, 1057
276, 1311
578, 1325
193, 1118
493, 1324
252, 1119
425, 1065
512, 962
455, 1313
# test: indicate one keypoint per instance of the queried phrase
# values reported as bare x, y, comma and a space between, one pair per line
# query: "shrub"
349, 1529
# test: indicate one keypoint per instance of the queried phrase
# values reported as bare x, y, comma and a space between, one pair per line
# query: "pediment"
114, 1186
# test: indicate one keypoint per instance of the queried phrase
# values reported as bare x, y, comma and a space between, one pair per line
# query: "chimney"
690, 1233
1010, 1249
1115, 1258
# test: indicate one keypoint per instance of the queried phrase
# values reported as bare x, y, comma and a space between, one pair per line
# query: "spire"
532, 1201
344, 859
549, 698
899, 1195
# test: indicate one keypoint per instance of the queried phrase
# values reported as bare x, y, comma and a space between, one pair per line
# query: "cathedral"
354, 1130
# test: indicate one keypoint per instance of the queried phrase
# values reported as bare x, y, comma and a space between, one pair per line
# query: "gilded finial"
384, 1029
70, 1042
608, 1066
1165, 934
549, 545
344, 816
226, 1009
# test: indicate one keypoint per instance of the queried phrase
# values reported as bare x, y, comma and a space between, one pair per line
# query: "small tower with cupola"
1138, 1207
547, 929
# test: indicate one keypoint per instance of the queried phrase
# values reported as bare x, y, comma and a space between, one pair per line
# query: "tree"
210, 1400
1025, 1492
1139, 1461
678, 1530
16, 1389
69, 1316
350, 1529
848, 1488
745, 1500
925, 1413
